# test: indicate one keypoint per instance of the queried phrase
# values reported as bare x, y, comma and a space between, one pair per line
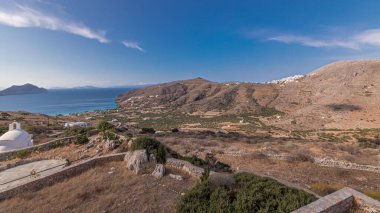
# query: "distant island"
23, 89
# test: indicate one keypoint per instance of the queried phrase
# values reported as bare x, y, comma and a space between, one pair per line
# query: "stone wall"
40, 147
67, 172
43, 147
342, 201
328, 162
185, 166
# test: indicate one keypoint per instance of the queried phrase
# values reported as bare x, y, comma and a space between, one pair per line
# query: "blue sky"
122, 42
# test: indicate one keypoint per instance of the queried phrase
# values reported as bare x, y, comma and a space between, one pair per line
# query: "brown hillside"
340, 95
199, 95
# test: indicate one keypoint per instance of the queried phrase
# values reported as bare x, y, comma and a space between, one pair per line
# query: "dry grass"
98, 191
324, 189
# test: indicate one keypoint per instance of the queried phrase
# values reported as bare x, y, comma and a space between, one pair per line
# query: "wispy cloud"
311, 42
356, 41
26, 17
133, 45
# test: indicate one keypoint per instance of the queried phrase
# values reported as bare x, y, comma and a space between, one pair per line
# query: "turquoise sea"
63, 101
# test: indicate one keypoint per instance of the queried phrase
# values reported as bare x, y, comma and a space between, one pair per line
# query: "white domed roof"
15, 138
15, 135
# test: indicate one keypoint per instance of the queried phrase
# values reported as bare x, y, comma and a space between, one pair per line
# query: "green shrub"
205, 175
270, 111
103, 126
147, 130
76, 130
81, 139
151, 146
219, 166
249, 194
36, 130
161, 154
194, 160
110, 136
3, 130
23, 153
196, 199
57, 144
220, 201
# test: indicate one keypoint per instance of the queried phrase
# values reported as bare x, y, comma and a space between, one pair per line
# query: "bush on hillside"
3, 130
81, 139
147, 130
249, 194
110, 136
103, 126
76, 130
151, 146
36, 130
175, 130
23, 153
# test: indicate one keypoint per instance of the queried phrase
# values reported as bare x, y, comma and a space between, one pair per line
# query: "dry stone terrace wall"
185, 166
40, 147
326, 162
342, 201
67, 172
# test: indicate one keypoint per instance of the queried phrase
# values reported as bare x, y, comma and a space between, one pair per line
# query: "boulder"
137, 161
159, 171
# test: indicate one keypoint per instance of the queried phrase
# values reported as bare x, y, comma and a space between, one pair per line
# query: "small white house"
15, 138
73, 124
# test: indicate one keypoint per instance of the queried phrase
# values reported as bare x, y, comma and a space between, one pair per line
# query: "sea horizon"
64, 101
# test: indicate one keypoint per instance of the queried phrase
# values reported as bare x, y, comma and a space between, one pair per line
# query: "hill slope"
200, 95
23, 89
340, 95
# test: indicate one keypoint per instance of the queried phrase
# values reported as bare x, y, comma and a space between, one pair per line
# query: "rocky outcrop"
137, 161
159, 171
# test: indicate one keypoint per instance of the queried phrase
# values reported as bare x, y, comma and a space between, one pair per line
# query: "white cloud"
311, 42
133, 45
356, 41
369, 37
24, 17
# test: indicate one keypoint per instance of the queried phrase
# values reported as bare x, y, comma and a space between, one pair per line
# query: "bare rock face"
159, 171
137, 161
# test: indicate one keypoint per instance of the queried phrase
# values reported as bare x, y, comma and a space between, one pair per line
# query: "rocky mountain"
340, 95
23, 89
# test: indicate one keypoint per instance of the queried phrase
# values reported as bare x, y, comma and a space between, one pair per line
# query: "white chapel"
15, 138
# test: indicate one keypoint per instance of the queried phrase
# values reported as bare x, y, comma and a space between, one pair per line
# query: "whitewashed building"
73, 124
15, 138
